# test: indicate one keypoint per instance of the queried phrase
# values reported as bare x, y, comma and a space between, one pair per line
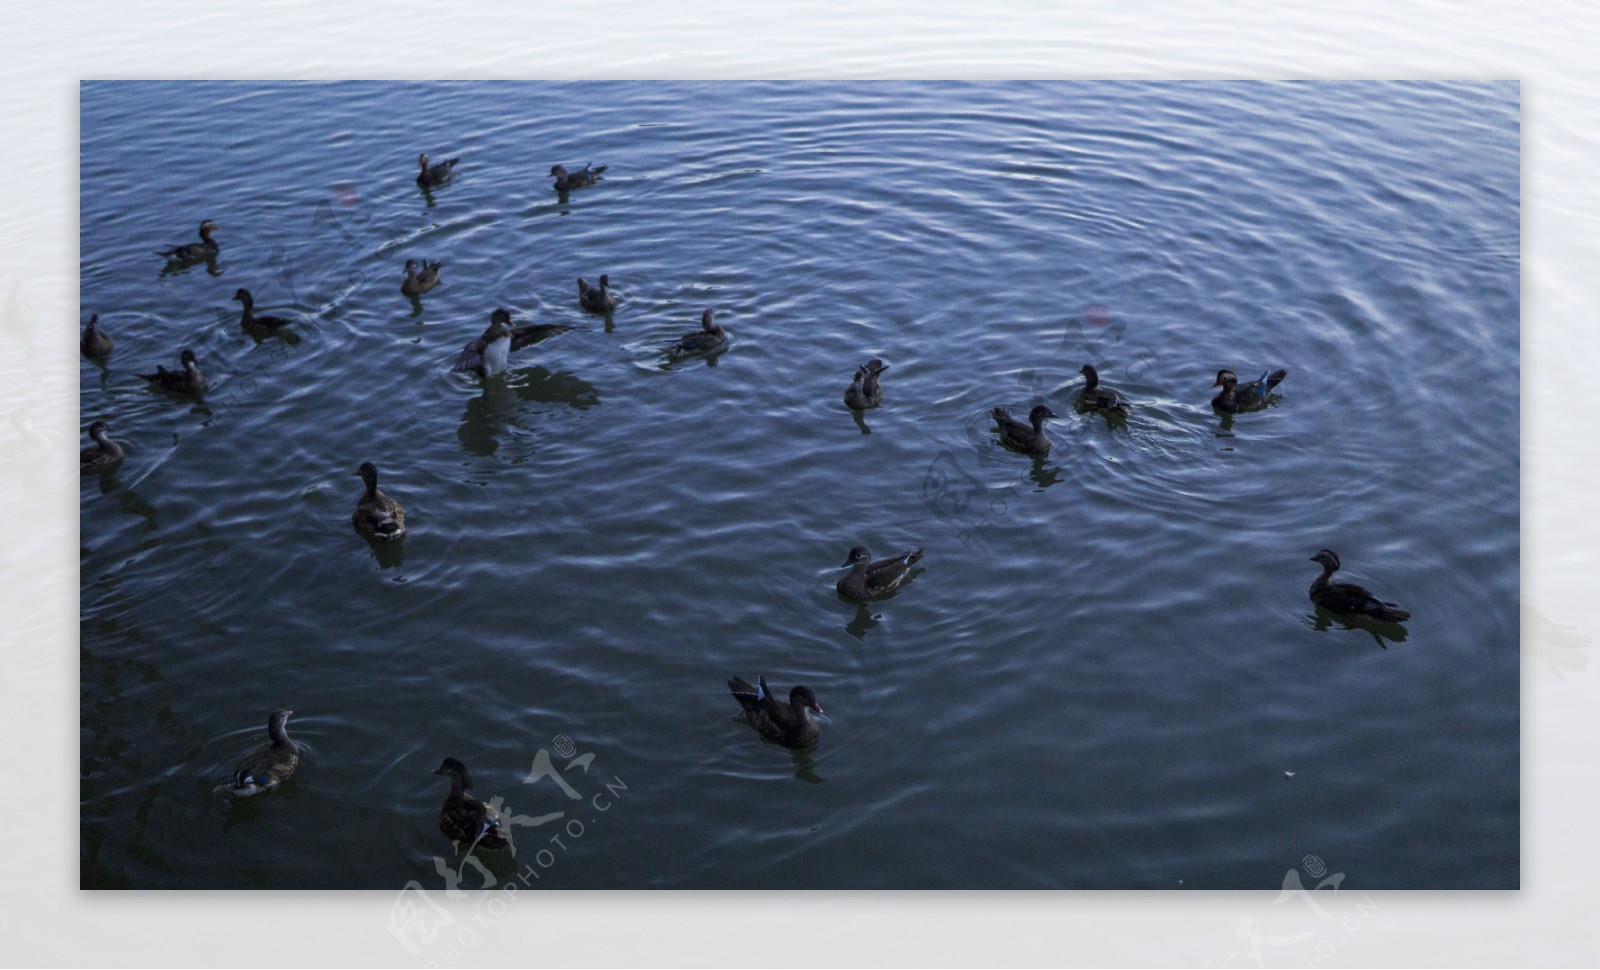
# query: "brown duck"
596, 299
788, 724
869, 580
377, 516
1245, 397
430, 175
95, 342
420, 278
1029, 438
1095, 397
106, 454
206, 249
490, 354
189, 380
269, 767
1348, 598
865, 392
464, 819
565, 180
709, 337
250, 322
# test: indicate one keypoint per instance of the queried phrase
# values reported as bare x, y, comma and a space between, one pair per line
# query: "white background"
45, 49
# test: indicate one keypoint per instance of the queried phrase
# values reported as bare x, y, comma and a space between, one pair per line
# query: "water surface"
1107, 673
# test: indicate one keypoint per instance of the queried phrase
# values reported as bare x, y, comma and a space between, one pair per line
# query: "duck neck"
1324, 580
108, 446
1093, 380
279, 732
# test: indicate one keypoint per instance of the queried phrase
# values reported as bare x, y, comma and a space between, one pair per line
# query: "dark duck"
464, 819
490, 354
250, 322
791, 724
377, 516
869, 580
1245, 397
709, 337
104, 456
205, 249
431, 175
1348, 598
566, 181
95, 342
596, 299
865, 392
420, 277
1027, 438
270, 766
189, 380
1096, 397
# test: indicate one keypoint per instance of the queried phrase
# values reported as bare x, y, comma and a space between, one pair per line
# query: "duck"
272, 765
1251, 397
1348, 598
790, 725
464, 819
1093, 397
189, 380
252, 323
596, 300
420, 278
709, 337
565, 180
1014, 434
377, 516
868, 580
105, 456
435, 174
206, 249
489, 354
95, 342
864, 391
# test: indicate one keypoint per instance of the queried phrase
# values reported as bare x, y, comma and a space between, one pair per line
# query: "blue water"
1107, 672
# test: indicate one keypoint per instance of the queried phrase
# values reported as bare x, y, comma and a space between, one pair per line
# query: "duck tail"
911, 558
1390, 613
741, 688
1269, 381
596, 170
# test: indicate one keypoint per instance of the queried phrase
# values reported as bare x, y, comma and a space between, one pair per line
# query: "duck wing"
471, 357
530, 334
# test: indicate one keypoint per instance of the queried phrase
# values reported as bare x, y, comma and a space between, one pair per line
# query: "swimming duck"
709, 337
252, 323
596, 300
788, 724
1348, 598
95, 342
420, 280
377, 516
206, 249
106, 456
1097, 398
186, 381
1022, 437
867, 579
464, 819
588, 175
864, 391
269, 767
489, 354
437, 174
1249, 397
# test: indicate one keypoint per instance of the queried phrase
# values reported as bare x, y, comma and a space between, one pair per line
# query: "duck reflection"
1380, 630
502, 398
805, 765
863, 621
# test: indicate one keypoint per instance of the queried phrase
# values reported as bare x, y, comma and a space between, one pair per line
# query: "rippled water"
1106, 670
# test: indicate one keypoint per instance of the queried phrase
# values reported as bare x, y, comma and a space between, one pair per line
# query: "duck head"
499, 323
368, 473
1090, 374
1039, 413
97, 429
422, 161
605, 281
243, 296
1328, 559
876, 366
187, 359
557, 171
411, 267
1226, 379
207, 228
454, 769
801, 696
708, 324
858, 554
